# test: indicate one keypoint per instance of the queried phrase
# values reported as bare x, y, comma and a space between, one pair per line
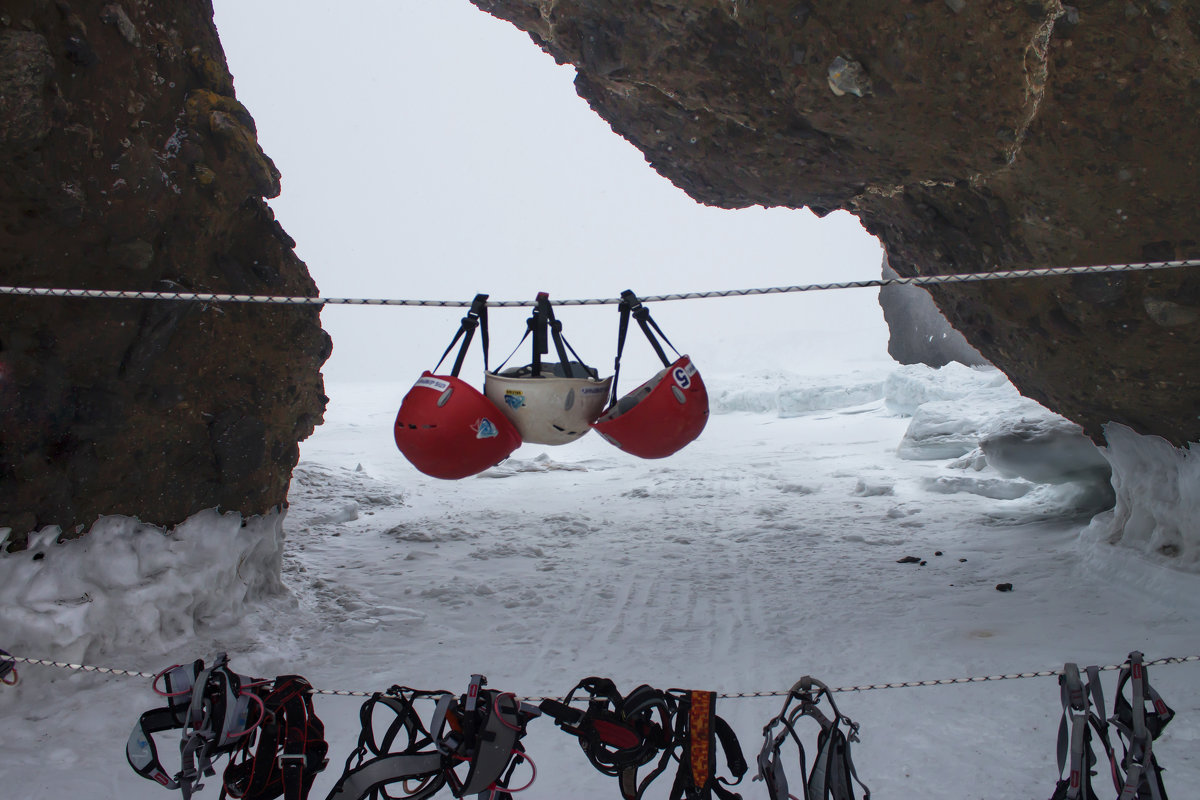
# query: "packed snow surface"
766, 550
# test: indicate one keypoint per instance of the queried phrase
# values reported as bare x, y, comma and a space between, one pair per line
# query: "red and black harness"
274, 738
619, 735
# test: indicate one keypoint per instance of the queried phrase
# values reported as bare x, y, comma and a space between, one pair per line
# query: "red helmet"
448, 429
661, 416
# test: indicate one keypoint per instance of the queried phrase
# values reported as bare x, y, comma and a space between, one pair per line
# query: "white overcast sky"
429, 150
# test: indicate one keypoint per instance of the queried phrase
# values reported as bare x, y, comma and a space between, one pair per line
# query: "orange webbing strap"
697, 777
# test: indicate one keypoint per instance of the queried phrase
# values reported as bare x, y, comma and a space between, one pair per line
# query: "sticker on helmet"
514, 399
432, 383
595, 390
682, 377
484, 429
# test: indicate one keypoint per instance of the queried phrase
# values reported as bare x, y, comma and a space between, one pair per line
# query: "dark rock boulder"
966, 136
126, 162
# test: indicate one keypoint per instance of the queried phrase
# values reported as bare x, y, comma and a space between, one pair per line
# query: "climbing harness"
1137, 728
665, 413
482, 728
832, 768
618, 734
445, 427
697, 731
548, 403
8, 669
290, 749
1083, 709
212, 706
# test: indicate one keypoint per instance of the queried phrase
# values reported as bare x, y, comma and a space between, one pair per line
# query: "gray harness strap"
381, 771
1071, 746
833, 772
498, 739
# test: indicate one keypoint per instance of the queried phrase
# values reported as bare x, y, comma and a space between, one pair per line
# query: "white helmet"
548, 403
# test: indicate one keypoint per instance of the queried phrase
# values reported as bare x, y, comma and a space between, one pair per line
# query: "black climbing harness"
283, 755
482, 728
8, 669
618, 734
621, 734
833, 774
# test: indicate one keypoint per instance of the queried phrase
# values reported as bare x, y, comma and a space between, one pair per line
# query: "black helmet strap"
476, 317
631, 305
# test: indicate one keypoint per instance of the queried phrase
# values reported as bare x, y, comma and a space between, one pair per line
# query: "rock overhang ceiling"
967, 136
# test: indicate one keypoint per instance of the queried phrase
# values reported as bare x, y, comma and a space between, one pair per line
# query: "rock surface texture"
127, 163
968, 136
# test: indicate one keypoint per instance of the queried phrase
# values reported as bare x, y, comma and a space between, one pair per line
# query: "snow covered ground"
764, 551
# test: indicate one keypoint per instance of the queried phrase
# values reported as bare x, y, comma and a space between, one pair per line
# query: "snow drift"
127, 583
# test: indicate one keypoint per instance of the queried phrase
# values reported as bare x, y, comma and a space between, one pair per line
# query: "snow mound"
1046, 449
1157, 509
1002, 444
909, 387
787, 394
540, 463
154, 588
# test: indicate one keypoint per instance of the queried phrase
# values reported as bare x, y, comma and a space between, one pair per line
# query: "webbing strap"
631, 305
476, 317
700, 737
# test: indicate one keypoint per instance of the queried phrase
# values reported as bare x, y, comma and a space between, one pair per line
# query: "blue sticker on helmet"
514, 401
484, 429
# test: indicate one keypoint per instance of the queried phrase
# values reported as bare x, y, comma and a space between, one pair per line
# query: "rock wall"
966, 135
126, 162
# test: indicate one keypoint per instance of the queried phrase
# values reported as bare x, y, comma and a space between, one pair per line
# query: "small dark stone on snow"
1003, 587
909, 560
961, 560
937, 552
923, 563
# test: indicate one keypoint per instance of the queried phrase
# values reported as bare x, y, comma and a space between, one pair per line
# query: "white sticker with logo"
683, 375
432, 383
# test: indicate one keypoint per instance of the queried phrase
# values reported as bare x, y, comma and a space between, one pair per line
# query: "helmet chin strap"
630, 304
476, 317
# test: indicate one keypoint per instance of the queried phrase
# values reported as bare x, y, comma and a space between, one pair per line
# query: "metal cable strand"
725, 695
924, 280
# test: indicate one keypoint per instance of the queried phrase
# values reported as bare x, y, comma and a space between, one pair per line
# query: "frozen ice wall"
1157, 508
127, 585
